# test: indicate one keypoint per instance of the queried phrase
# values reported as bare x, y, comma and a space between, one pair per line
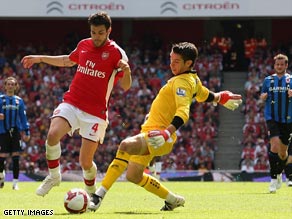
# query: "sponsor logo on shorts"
57, 111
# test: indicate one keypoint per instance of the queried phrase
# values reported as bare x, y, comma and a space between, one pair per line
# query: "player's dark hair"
188, 51
100, 18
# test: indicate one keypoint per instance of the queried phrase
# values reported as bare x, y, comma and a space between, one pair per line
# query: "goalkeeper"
169, 111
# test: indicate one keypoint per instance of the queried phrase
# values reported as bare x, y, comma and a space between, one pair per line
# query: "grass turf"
125, 200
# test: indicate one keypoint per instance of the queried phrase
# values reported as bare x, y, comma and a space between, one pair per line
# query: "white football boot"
279, 181
276, 183
179, 201
273, 186
48, 183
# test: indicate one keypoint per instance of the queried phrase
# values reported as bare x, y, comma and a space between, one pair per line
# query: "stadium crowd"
42, 88
254, 156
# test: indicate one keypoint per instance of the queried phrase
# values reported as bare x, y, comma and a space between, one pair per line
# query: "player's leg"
89, 169
135, 174
284, 151
58, 128
286, 138
15, 170
277, 156
16, 151
277, 163
128, 147
92, 129
274, 172
114, 171
4, 152
172, 200
288, 171
137, 165
288, 168
2, 167
131, 145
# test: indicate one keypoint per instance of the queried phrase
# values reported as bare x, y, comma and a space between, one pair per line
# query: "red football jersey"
95, 76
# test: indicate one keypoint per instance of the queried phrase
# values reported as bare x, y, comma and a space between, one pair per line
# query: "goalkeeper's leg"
114, 171
135, 174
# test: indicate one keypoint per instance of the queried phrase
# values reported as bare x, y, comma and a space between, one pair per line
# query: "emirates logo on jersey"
105, 55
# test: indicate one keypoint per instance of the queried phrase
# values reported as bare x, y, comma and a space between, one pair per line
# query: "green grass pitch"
234, 200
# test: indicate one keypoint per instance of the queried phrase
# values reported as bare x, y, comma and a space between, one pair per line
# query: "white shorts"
90, 127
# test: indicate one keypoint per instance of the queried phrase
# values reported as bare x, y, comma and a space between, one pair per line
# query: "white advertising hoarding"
146, 8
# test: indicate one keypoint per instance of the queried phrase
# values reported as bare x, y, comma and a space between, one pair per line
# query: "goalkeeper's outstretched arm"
226, 98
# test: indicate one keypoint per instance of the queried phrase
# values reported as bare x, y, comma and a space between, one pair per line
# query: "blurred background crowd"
42, 88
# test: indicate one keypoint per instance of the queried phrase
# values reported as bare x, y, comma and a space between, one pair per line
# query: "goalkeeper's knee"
122, 155
135, 172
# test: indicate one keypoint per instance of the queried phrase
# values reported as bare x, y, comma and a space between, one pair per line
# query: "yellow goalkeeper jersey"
174, 99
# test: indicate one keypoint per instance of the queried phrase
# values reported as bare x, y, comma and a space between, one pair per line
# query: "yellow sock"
152, 185
115, 169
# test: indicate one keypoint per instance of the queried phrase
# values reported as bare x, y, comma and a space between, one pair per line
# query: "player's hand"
264, 96
124, 66
26, 138
28, 61
289, 92
229, 100
157, 138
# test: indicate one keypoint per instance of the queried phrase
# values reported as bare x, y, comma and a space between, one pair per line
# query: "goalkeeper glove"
157, 138
229, 100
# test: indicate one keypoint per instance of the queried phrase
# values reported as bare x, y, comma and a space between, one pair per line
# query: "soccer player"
101, 63
277, 94
169, 111
288, 167
13, 127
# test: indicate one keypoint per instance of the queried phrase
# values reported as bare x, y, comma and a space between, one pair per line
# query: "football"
76, 201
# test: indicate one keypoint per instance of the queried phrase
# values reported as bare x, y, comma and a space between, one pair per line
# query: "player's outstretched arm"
60, 61
229, 100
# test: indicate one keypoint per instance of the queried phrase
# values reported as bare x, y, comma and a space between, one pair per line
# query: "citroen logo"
168, 7
54, 7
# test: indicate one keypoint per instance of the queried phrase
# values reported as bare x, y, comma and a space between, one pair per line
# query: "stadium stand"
42, 88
